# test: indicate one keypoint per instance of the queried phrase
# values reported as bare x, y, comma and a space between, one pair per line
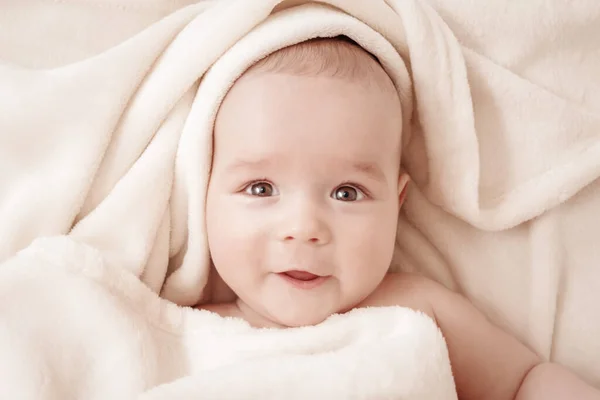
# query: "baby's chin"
300, 318
301, 322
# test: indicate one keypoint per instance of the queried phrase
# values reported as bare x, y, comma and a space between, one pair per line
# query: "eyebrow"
370, 169
248, 164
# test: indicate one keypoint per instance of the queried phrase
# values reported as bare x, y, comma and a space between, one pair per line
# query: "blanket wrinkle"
110, 148
139, 345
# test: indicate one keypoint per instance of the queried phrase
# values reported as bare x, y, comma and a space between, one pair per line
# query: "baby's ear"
402, 186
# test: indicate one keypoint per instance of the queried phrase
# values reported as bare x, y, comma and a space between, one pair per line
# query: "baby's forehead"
282, 117
317, 74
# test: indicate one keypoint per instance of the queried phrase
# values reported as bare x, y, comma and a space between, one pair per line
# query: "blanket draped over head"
106, 121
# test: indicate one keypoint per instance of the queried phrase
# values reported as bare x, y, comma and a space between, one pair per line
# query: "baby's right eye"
261, 189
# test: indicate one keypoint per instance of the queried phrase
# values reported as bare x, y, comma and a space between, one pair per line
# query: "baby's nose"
314, 240
306, 226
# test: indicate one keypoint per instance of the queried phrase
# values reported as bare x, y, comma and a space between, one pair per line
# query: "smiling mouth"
303, 279
301, 275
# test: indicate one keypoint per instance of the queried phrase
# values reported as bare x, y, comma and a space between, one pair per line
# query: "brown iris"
261, 189
346, 193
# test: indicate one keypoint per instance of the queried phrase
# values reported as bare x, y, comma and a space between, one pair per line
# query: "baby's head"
306, 182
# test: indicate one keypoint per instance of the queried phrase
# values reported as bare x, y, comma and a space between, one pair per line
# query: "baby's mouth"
301, 275
302, 279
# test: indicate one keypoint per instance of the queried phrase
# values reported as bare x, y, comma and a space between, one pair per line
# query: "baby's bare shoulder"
404, 290
478, 349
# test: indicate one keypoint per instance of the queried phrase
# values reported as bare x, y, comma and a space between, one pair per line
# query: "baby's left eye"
347, 193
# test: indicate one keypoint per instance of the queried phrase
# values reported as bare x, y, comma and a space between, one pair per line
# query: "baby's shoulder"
405, 290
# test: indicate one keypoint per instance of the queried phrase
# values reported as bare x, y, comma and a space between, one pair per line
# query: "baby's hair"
338, 57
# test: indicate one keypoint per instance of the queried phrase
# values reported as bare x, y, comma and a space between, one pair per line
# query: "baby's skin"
302, 212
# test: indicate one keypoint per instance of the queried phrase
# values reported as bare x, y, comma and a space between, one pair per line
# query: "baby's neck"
253, 318
238, 309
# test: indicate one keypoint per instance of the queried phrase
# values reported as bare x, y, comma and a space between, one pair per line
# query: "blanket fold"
113, 151
103, 334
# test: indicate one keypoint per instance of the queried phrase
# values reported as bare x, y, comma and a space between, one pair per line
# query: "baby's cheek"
235, 241
369, 249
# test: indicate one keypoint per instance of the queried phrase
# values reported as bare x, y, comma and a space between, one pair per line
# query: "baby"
302, 212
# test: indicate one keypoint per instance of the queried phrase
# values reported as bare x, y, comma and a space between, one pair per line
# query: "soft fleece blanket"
71, 327
111, 149
110, 157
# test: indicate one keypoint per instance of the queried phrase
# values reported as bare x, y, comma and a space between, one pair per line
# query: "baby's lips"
301, 275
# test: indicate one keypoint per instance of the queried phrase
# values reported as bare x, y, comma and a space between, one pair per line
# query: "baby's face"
305, 178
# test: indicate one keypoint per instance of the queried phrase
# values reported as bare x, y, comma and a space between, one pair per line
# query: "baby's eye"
347, 193
261, 189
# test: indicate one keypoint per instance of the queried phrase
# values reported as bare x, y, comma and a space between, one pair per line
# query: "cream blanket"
109, 143
71, 327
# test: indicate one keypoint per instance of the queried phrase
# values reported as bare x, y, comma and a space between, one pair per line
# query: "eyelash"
254, 182
345, 183
355, 186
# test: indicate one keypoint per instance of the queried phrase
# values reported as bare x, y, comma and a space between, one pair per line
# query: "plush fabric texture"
71, 326
106, 115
